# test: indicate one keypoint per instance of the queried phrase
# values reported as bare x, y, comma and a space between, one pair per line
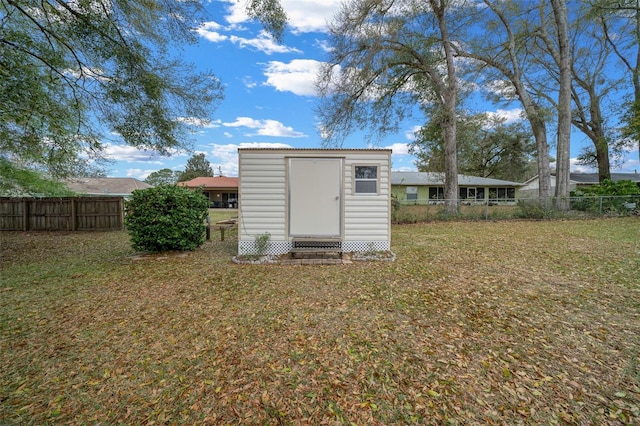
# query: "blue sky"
269, 94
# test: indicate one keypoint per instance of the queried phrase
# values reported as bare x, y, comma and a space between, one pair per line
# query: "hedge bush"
607, 197
166, 218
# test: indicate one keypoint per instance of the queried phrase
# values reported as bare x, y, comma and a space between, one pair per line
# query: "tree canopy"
387, 59
73, 72
197, 166
487, 147
163, 177
21, 182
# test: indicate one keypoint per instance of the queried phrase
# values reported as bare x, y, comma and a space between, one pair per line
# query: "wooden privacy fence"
62, 214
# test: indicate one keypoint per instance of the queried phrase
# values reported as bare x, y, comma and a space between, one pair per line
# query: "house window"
366, 179
436, 193
467, 193
502, 194
412, 193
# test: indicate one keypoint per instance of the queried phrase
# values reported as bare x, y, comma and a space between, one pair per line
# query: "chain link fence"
524, 208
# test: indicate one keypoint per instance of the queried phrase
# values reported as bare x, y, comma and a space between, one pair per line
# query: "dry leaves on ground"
474, 323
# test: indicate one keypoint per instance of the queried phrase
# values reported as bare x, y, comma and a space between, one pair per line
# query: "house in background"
112, 186
314, 199
222, 191
576, 180
425, 188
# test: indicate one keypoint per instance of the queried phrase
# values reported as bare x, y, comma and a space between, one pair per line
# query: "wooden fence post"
121, 207
74, 213
25, 214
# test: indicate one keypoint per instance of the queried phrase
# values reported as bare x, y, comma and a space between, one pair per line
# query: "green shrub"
395, 207
607, 197
534, 209
166, 218
262, 241
406, 214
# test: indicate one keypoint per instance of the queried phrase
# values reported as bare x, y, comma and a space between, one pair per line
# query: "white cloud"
502, 88
324, 45
139, 173
510, 116
574, 167
627, 164
309, 15
411, 133
265, 127
248, 82
225, 157
398, 148
131, 154
264, 42
303, 15
211, 31
298, 76
199, 122
214, 33
404, 169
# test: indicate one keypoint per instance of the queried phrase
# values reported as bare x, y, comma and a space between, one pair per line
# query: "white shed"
324, 198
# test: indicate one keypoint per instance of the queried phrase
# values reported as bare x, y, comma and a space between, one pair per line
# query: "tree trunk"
450, 166
599, 139
542, 147
564, 106
539, 129
449, 94
602, 157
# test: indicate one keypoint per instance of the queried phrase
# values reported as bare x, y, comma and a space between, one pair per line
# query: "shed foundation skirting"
283, 247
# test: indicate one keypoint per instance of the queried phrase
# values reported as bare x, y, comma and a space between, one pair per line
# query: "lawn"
518, 322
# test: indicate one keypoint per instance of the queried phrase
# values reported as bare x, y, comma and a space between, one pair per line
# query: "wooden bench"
221, 225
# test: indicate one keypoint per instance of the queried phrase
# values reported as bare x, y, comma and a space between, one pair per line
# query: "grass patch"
474, 323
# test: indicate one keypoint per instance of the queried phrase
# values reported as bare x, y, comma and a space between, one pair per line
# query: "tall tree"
73, 71
501, 54
594, 81
592, 84
620, 22
554, 34
387, 58
163, 177
197, 166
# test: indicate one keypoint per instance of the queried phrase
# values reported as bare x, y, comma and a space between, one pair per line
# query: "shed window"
412, 192
366, 181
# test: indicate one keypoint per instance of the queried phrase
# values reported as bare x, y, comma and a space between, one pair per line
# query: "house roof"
217, 182
590, 178
437, 179
593, 177
106, 185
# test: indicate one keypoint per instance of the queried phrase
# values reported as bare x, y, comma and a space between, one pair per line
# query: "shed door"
315, 197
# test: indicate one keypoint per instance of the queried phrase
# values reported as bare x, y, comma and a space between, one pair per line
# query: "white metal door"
315, 197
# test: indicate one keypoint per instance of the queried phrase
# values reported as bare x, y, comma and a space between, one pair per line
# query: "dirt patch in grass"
474, 323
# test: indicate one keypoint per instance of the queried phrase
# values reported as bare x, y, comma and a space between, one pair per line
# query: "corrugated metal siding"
263, 203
